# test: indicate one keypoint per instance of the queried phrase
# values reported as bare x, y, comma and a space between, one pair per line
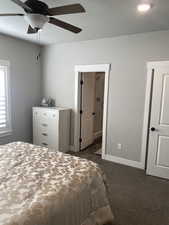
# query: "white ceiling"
104, 18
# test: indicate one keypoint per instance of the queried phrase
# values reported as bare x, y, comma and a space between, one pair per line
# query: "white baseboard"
97, 134
123, 161
118, 160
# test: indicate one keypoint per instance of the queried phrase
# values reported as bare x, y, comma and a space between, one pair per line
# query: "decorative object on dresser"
51, 127
50, 102
44, 102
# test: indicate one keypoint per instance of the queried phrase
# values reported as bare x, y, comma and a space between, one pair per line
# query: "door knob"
93, 113
153, 129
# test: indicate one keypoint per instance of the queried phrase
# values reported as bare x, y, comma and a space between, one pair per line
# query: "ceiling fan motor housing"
36, 21
37, 7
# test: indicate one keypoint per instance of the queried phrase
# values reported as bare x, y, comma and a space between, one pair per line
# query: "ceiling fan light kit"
37, 14
36, 21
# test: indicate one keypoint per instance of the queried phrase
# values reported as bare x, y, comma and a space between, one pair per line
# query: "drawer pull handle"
44, 125
45, 144
44, 134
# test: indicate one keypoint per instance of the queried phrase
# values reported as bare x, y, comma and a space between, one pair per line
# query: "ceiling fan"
37, 14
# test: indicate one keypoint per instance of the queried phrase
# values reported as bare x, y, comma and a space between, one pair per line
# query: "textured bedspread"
40, 187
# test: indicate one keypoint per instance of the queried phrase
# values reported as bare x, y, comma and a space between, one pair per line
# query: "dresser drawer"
44, 116
44, 140
48, 115
50, 128
43, 126
48, 141
44, 144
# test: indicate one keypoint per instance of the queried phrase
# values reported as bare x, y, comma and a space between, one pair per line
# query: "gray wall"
128, 56
25, 85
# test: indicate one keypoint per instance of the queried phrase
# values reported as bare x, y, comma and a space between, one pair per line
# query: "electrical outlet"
119, 146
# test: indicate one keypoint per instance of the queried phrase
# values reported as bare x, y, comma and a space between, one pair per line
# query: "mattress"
41, 187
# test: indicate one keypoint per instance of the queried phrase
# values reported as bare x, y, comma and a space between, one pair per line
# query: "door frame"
147, 108
90, 68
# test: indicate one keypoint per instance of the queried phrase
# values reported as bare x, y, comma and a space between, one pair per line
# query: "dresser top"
50, 108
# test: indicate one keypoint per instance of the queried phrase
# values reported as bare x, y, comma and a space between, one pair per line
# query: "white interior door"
87, 120
99, 102
158, 146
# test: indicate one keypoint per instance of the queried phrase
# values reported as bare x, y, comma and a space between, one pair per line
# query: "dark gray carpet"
136, 199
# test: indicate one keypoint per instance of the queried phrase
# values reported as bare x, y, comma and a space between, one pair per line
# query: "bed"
41, 187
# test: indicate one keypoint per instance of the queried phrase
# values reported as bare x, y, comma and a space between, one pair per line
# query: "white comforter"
40, 187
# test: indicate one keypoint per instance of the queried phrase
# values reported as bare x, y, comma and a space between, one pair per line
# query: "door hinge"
81, 111
81, 82
80, 140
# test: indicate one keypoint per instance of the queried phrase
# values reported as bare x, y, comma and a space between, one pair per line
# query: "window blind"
3, 98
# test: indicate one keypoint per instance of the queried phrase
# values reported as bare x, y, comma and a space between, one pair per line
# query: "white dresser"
51, 127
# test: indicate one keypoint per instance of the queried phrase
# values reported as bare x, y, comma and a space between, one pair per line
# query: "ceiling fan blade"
11, 14
64, 25
23, 5
31, 30
67, 9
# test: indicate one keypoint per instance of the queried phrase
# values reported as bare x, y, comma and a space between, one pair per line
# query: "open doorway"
91, 95
92, 103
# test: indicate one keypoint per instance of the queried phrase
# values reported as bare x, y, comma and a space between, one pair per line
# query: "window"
5, 120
